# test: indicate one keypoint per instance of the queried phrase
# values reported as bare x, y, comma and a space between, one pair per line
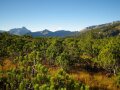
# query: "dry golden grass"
96, 80
53, 71
7, 65
93, 80
118, 27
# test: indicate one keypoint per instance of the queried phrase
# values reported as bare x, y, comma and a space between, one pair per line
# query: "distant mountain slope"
36, 34
103, 30
19, 31
2, 31
103, 26
63, 33
46, 32
59, 33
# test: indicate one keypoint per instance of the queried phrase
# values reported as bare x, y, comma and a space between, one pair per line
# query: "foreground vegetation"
94, 52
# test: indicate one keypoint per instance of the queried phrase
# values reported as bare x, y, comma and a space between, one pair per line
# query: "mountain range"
112, 28
59, 33
46, 32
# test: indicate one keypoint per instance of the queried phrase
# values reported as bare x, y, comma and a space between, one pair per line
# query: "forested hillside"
94, 51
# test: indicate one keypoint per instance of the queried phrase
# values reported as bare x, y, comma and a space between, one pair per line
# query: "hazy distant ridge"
24, 31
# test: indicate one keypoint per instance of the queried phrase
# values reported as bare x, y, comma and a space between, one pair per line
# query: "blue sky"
54, 15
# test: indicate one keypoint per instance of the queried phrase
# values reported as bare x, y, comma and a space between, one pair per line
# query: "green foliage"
36, 87
109, 57
21, 86
54, 50
63, 61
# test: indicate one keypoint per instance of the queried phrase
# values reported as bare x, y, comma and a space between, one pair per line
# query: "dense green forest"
95, 51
